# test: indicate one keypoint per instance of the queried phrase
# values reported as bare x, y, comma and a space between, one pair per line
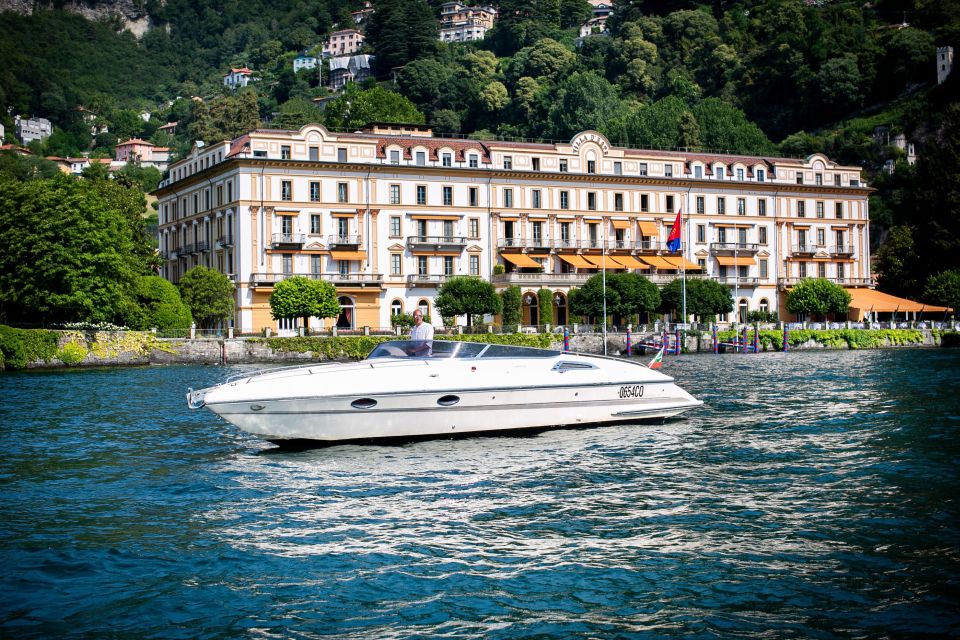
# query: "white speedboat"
407, 390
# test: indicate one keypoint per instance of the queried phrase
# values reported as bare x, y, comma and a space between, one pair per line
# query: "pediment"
396, 247
314, 246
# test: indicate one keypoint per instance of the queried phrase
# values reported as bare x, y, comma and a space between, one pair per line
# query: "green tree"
157, 305
300, 297
545, 302
627, 294
400, 31
511, 299
898, 266
355, 107
943, 290
705, 298
466, 295
21, 168
209, 294
818, 297
66, 253
546, 60
583, 101
724, 127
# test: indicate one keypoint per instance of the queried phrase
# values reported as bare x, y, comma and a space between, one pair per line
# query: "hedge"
20, 347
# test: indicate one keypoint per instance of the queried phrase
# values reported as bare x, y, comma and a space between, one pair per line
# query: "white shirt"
423, 331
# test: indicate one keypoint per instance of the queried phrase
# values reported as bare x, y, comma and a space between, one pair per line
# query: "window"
448, 230
206, 199
818, 179
563, 166
229, 192
508, 198
536, 164
259, 153
718, 172
422, 265
721, 206
668, 170
762, 232
643, 169
701, 233
697, 171
741, 207
219, 194
421, 229
342, 192
820, 238
592, 201
836, 179
341, 154
473, 161
396, 308
799, 177
740, 174
473, 227
762, 263
819, 209
396, 264
821, 270
448, 265
394, 156
287, 264
762, 207
565, 231
564, 199
537, 234
761, 175
421, 194
421, 158
395, 226
838, 210
802, 267
315, 223
591, 166
475, 265
315, 192
618, 202
801, 209
448, 196
474, 197
669, 204
314, 154
838, 236
535, 199
315, 265
394, 194
644, 202
508, 162
841, 271
447, 160
702, 262
618, 168
286, 190
284, 152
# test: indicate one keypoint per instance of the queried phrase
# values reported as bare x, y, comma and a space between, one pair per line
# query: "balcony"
737, 281
647, 245
843, 282
730, 248
288, 240
224, 241
534, 244
804, 249
186, 250
436, 243
201, 246
546, 279
427, 279
841, 250
260, 280
343, 242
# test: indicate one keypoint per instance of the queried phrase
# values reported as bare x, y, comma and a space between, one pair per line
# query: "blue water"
814, 496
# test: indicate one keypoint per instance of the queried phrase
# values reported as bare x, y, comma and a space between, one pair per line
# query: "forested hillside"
751, 76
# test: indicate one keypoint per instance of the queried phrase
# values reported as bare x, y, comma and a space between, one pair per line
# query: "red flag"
673, 240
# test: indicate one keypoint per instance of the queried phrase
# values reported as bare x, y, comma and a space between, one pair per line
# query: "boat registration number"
632, 391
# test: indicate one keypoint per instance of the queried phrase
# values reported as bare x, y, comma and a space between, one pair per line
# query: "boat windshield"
451, 349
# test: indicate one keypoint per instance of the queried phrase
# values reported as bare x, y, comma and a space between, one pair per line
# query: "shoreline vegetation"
47, 348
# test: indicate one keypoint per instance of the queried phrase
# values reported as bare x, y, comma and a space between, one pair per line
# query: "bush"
158, 306
72, 354
19, 347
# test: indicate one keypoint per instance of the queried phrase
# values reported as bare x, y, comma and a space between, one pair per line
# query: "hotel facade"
389, 213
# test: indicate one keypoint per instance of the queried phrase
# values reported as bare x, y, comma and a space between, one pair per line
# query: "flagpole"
603, 270
683, 262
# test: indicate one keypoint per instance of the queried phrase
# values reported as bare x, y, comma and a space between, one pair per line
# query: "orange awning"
658, 262
425, 217
521, 260
863, 301
343, 214
678, 262
735, 261
348, 255
286, 212
603, 262
647, 227
631, 263
575, 260
621, 224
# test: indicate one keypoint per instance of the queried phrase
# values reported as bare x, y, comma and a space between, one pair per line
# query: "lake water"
816, 495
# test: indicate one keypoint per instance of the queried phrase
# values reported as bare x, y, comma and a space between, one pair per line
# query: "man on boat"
421, 335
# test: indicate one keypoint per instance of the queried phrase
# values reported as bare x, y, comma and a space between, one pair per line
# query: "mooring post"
786, 336
566, 339
716, 344
629, 330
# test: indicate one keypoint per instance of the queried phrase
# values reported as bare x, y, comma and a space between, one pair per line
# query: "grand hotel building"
388, 213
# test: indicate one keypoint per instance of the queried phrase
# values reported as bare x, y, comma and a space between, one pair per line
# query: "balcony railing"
746, 248
336, 278
427, 279
847, 282
201, 246
842, 250
224, 241
737, 281
555, 279
288, 239
436, 243
342, 241
186, 249
524, 243
804, 249
647, 245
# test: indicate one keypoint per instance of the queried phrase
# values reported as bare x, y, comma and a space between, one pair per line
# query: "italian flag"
657, 361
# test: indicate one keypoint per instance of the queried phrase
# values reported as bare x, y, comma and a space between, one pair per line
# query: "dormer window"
740, 175
508, 162
591, 166
563, 166
421, 158
474, 161
761, 175
394, 156
718, 172
697, 171
668, 170
447, 160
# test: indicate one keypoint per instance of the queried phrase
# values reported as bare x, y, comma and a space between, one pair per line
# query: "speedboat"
413, 389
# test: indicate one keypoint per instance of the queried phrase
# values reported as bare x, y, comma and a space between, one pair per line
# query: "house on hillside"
343, 42
304, 61
460, 23
237, 78
145, 153
29, 129
944, 63
359, 17
349, 69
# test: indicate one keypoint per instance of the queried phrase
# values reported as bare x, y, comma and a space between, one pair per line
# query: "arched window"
531, 309
347, 315
560, 307
424, 307
396, 308
764, 305
744, 307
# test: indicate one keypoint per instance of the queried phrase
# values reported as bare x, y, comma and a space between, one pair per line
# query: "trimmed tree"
300, 297
545, 301
818, 297
627, 294
209, 294
511, 299
158, 305
705, 298
466, 295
